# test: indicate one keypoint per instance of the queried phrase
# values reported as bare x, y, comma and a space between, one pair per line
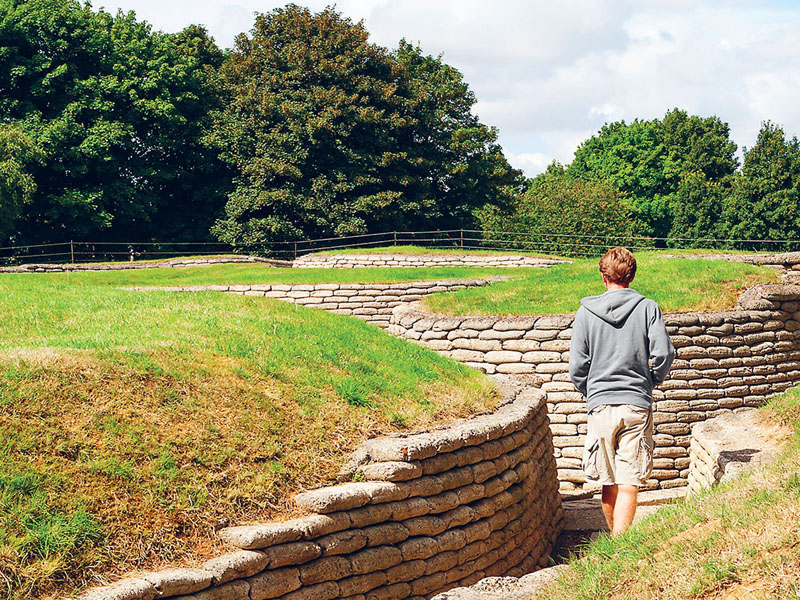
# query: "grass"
676, 284
739, 540
260, 273
410, 249
679, 251
132, 424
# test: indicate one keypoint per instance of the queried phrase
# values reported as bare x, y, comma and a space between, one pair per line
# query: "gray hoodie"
620, 349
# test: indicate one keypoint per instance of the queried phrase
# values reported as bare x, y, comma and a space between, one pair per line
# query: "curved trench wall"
725, 360
327, 261
436, 510
123, 266
371, 302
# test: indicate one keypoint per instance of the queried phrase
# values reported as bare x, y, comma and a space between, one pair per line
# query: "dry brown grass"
162, 461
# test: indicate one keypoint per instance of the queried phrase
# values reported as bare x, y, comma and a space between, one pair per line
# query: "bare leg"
609, 501
626, 500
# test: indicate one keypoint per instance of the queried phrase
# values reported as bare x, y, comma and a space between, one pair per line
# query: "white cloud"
531, 163
549, 74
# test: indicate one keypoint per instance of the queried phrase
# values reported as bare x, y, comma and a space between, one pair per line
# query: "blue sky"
549, 74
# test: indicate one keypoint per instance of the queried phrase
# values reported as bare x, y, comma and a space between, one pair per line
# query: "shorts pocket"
645, 458
589, 462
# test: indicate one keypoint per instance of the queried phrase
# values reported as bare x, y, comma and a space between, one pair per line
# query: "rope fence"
588, 245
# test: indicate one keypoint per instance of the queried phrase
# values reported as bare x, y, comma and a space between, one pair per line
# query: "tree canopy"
117, 111
647, 160
110, 130
765, 200
561, 214
332, 135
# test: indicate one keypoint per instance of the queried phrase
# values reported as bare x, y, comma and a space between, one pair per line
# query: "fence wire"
575, 245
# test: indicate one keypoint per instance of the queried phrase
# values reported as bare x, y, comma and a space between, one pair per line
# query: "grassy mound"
676, 284
132, 424
245, 273
739, 540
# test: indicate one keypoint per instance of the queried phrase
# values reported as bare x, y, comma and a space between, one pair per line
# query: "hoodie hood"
614, 306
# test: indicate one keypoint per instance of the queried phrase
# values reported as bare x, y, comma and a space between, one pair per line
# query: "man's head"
618, 267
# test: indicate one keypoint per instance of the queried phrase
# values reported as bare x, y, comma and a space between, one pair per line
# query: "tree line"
671, 182
112, 131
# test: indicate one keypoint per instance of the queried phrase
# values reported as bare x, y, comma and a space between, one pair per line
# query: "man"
620, 350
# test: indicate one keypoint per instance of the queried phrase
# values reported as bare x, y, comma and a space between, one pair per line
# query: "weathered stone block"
328, 568
293, 553
375, 559
274, 583
235, 565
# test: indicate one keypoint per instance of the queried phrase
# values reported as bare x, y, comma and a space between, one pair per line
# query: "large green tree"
648, 160
118, 111
765, 200
564, 215
333, 135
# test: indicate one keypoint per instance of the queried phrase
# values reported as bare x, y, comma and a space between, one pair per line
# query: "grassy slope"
739, 540
131, 423
259, 273
676, 284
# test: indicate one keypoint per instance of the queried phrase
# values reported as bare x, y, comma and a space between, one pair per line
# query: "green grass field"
739, 540
131, 423
260, 273
676, 284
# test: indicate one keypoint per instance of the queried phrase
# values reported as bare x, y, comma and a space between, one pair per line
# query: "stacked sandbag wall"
379, 260
371, 302
726, 446
427, 512
190, 261
725, 360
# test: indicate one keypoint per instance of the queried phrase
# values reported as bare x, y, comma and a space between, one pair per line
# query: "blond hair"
618, 266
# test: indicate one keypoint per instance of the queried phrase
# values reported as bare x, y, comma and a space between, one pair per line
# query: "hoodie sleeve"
661, 349
579, 360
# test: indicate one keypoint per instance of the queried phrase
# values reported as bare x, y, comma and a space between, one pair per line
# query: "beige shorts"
619, 445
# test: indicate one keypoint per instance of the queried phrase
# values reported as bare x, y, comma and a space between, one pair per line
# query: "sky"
549, 74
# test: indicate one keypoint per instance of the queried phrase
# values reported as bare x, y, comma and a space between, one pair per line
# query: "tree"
312, 127
331, 135
765, 200
458, 156
697, 206
17, 153
564, 215
647, 160
118, 111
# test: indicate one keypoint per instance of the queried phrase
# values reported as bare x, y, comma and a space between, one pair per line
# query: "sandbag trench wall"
350, 261
782, 261
190, 261
725, 360
371, 302
436, 510
726, 446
